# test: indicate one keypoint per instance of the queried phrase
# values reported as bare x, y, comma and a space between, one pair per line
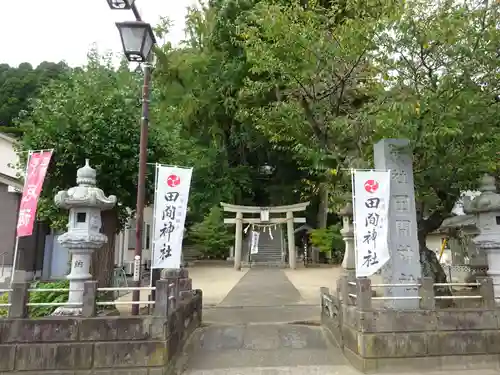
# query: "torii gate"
265, 218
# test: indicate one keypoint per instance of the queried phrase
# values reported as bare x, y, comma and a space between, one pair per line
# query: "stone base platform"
394, 341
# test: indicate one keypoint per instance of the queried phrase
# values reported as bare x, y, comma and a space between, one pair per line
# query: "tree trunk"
428, 260
103, 260
323, 206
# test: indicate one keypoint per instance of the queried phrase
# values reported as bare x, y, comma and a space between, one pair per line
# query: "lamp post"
138, 40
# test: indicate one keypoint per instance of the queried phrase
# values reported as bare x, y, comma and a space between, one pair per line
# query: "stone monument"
347, 232
486, 208
85, 203
404, 265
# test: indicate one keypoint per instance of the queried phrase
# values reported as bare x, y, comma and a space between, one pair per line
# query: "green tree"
439, 65
211, 235
93, 114
312, 64
19, 85
199, 84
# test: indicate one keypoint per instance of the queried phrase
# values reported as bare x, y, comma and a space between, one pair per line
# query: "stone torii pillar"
239, 220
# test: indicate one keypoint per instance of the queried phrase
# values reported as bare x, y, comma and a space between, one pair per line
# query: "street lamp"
137, 40
120, 4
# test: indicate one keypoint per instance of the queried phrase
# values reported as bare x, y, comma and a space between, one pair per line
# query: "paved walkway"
254, 330
265, 349
250, 332
263, 295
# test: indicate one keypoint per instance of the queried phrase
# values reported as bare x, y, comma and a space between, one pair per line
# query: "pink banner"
35, 175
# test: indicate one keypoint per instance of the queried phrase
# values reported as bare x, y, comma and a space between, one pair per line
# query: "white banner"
371, 195
254, 244
171, 200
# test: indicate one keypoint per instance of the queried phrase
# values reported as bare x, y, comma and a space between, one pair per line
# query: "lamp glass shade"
120, 4
137, 40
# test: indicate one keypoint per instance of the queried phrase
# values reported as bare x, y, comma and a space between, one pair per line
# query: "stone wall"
426, 339
141, 345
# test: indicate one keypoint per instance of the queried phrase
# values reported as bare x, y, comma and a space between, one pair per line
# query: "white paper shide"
371, 194
171, 200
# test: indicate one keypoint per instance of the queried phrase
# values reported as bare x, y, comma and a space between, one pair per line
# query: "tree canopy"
305, 87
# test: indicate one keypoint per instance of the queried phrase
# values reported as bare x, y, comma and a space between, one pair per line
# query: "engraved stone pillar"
486, 208
85, 203
347, 232
404, 265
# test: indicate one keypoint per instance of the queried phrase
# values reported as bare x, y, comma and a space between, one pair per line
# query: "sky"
53, 30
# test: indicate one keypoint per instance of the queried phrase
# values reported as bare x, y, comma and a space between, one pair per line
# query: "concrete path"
265, 349
263, 295
215, 281
263, 287
249, 332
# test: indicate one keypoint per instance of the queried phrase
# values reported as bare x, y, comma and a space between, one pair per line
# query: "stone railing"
428, 338
88, 344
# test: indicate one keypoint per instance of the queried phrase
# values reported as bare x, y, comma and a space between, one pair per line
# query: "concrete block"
137, 371
417, 365
476, 362
392, 345
350, 338
493, 341
466, 320
53, 356
185, 284
89, 298
40, 330
396, 321
114, 328
162, 302
457, 343
130, 354
350, 316
7, 357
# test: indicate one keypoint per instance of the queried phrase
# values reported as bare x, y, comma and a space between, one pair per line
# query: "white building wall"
8, 156
125, 242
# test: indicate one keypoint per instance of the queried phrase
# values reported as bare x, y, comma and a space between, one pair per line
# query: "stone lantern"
347, 232
85, 203
486, 208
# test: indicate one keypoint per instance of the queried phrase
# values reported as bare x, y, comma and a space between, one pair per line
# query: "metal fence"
166, 295
360, 292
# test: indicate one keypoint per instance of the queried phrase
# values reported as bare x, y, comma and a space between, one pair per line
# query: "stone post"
292, 255
85, 203
230, 258
404, 265
18, 298
161, 301
487, 291
426, 293
173, 293
363, 293
89, 298
486, 208
343, 286
347, 232
238, 240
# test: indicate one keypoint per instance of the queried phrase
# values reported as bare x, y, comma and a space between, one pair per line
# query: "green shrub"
41, 297
211, 236
329, 240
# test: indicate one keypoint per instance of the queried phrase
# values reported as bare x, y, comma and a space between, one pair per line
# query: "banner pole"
16, 246
154, 228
